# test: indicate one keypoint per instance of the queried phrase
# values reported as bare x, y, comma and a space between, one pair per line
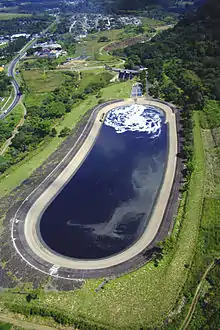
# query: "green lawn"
39, 81
147, 296
90, 77
117, 91
7, 16
147, 21
32, 100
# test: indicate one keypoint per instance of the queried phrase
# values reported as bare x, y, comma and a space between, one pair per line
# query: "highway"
11, 72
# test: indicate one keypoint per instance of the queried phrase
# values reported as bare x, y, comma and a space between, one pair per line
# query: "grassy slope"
23, 170
147, 296
91, 45
212, 154
14, 118
210, 116
209, 235
39, 81
7, 16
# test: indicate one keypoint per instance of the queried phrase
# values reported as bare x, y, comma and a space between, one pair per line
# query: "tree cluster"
41, 119
5, 84
31, 25
7, 52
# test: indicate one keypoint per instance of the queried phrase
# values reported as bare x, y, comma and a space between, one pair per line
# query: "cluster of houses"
49, 50
5, 39
82, 24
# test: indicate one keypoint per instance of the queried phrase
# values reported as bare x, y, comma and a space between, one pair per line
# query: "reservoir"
106, 205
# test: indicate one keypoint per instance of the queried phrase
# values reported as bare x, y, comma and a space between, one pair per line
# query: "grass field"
15, 116
210, 223
90, 77
147, 296
91, 45
210, 116
32, 100
39, 81
7, 16
117, 91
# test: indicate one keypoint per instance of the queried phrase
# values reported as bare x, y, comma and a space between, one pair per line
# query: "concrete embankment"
29, 217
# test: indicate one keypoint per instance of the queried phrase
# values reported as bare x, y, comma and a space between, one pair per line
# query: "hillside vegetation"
116, 5
184, 68
184, 62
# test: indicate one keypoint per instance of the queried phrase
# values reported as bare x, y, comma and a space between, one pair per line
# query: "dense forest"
184, 62
7, 52
31, 25
5, 83
117, 5
32, 6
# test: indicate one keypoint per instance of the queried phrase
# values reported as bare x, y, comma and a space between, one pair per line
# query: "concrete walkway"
34, 213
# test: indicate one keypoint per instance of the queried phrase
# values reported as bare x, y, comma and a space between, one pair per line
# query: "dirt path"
14, 132
192, 308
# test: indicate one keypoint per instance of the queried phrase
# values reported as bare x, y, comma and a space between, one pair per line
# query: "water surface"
106, 205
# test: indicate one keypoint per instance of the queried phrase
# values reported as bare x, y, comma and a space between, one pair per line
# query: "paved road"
11, 73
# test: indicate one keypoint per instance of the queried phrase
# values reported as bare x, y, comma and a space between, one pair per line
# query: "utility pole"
147, 89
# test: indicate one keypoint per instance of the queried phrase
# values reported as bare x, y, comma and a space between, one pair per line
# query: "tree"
103, 39
65, 132
53, 132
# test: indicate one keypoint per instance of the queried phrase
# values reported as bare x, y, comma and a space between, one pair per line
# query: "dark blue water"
106, 206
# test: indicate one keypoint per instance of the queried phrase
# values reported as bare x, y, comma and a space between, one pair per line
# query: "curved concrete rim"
34, 213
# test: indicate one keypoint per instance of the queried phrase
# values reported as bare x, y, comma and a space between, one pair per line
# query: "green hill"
117, 5
191, 49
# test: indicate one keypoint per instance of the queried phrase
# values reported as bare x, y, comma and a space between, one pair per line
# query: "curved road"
24, 231
11, 72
